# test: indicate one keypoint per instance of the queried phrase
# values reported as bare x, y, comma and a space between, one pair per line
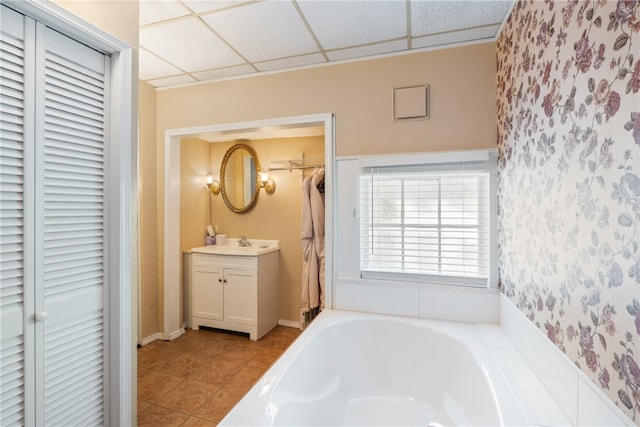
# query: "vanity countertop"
258, 247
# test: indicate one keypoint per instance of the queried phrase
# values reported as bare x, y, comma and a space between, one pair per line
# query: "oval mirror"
240, 178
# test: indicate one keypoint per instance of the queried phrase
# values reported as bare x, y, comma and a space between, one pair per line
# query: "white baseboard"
289, 323
151, 338
175, 334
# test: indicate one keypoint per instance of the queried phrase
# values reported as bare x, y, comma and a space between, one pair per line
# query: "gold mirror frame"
223, 169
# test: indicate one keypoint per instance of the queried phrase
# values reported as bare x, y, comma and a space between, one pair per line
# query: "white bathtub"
352, 368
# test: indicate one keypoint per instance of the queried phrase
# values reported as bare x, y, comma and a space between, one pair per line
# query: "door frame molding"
120, 396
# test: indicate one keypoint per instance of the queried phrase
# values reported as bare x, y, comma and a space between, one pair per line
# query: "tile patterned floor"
196, 379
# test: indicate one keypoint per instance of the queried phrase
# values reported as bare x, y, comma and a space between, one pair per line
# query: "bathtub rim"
253, 409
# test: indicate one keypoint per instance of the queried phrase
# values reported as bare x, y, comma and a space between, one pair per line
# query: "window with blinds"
426, 223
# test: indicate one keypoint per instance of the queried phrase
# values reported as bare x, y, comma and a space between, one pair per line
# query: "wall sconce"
213, 184
267, 183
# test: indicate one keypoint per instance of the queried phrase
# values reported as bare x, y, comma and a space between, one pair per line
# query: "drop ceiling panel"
486, 33
368, 50
189, 45
172, 81
156, 11
339, 24
293, 62
263, 31
152, 67
224, 72
185, 41
200, 6
429, 17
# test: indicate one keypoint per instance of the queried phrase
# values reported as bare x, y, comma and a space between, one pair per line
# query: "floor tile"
264, 359
239, 353
196, 379
183, 365
217, 372
155, 384
142, 405
198, 422
157, 357
246, 377
220, 403
158, 416
188, 396
213, 349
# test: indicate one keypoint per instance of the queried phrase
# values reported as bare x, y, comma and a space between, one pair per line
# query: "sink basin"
258, 247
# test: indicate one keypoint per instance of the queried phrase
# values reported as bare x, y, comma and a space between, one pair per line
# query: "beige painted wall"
118, 18
194, 194
150, 311
194, 198
462, 100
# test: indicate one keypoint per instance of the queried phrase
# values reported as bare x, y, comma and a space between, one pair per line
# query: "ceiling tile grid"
221, 73
340, 24
263, 31
202, 6
433, 17
157, 11
188, 41
368, 50
462, 36
153, 67
189, 45
290, 63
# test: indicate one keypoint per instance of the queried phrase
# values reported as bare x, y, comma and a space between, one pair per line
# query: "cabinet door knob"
225, 280
40, 316
220, 280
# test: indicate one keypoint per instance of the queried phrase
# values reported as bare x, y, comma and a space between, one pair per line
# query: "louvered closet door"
70, 231
16, 265
53, 225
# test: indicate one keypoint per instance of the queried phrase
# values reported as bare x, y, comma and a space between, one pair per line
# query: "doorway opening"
172, 326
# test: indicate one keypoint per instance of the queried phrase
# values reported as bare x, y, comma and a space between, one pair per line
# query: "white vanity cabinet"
235, 292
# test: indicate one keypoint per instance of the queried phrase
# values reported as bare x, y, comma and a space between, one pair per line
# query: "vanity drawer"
225, 260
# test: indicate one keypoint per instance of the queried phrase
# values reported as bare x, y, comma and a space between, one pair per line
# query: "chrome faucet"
242, 241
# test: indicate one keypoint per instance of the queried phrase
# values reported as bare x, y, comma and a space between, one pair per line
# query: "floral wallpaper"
569, 184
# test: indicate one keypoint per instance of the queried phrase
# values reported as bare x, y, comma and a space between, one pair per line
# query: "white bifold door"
53, 227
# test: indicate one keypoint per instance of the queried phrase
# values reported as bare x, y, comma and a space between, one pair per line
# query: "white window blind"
427, 223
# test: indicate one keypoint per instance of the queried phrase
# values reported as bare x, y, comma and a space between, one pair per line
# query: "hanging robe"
317, 216
310, 289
